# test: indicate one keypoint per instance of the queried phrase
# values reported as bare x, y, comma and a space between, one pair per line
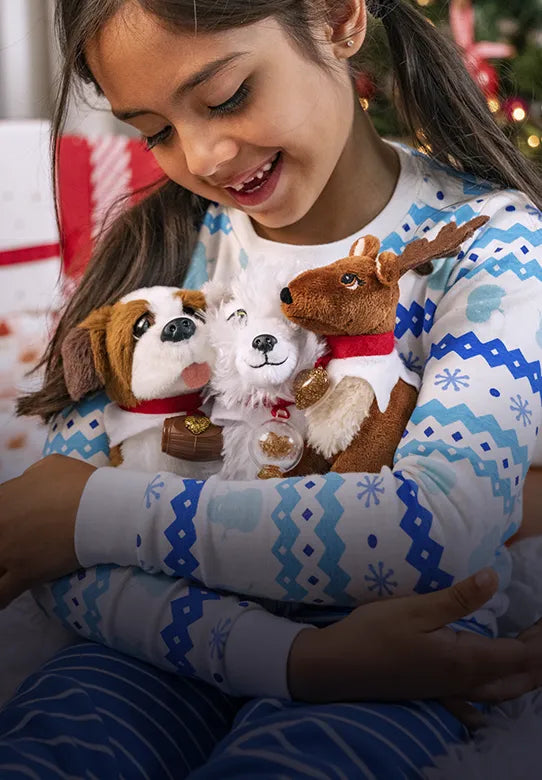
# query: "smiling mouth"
267, 363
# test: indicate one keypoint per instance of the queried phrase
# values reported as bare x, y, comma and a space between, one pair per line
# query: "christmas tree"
501, 45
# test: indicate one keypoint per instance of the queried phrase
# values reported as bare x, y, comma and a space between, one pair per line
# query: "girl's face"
240, 117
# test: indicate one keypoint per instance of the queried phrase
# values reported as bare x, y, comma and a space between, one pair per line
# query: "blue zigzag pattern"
185, 611
288, 533
430, 215
64, 443
452, 452
425, 554
494, 352
333, 544
416, 318
181, 533
497, 266
91, 594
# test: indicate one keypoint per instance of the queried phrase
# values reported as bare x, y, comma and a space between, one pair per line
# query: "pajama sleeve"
445, 510
178, 625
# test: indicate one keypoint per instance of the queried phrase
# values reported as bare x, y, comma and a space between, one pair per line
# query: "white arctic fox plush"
258, 354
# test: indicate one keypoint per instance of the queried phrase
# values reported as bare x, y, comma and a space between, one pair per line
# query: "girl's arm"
173, 624
452, 500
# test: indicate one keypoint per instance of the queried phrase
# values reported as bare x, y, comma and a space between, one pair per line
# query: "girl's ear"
347, 24
84, 355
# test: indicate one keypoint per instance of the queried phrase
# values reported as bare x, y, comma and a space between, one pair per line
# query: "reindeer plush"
358, 406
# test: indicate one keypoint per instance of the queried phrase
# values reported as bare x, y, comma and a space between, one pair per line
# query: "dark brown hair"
152, 242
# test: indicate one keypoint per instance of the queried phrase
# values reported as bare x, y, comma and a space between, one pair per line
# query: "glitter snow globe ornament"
276, 446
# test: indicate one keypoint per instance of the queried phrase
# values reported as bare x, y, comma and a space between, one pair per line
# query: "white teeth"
259, 175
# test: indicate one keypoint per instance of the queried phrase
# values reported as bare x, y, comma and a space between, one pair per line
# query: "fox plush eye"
142, 326
352, 281
239, 315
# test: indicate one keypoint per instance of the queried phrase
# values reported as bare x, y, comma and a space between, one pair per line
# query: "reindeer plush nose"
179, 329
286, 295
264, 343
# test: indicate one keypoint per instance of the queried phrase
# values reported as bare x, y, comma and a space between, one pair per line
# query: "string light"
518, 114
493, 104
533, 141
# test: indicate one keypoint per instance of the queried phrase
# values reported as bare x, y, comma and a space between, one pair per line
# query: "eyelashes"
230, 106
234, 103
158, 138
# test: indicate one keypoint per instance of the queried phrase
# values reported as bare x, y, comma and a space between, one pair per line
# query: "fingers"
468, 715
507, 688
435, 610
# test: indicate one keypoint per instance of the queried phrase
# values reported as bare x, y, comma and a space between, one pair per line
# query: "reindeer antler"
446, 244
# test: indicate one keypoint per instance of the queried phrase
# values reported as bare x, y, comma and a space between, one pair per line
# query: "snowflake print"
412, 362
153, 490
371, 489
522, 408
381, 581
456, 380
533, 211
219, 635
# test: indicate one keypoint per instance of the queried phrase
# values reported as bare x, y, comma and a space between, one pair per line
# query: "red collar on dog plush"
189, 404
357, 346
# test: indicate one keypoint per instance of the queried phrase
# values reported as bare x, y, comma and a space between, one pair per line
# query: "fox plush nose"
264, 343
179, 329
286, 295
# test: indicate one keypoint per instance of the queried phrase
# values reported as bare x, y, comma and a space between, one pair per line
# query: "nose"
179, 329
286, 295
205, 154
264, 343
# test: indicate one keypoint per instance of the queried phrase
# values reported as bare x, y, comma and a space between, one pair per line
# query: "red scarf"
357, 346
187, 404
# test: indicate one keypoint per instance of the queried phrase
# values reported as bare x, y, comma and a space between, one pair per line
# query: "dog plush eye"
142, 326
352, 281
239, 315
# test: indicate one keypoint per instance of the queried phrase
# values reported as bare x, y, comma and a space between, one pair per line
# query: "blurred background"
500, 40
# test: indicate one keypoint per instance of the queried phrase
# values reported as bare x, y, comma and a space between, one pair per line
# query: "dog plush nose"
264, 343
286, 295
179, 329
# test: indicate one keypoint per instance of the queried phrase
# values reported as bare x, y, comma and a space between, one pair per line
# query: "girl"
250, 111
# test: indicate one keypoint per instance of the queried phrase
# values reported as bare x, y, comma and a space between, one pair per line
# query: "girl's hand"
37, 524
401, 649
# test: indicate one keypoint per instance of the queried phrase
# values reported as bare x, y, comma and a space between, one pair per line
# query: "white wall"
29, 65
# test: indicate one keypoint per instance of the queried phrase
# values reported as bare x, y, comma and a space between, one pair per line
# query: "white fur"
156, 373
507, 748
241, 379
334, 421
157, 365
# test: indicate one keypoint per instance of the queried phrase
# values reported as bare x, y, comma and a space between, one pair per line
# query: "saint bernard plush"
151, 355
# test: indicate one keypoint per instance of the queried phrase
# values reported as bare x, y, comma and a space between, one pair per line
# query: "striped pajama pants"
94, 713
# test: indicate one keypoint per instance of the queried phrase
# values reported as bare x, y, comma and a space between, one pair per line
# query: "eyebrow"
206, 73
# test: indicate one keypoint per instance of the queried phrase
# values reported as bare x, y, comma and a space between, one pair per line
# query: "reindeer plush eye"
142, 326
352, 281
239, 315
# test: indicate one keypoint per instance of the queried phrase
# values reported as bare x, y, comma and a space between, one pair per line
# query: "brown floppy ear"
368, 246
387, 268
84, 355
194, 299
